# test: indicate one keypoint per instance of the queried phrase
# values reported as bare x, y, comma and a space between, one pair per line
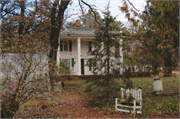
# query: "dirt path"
73, 106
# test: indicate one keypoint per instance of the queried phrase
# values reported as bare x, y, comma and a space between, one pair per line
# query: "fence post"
116, 104
140, 95
134, 106
122, 90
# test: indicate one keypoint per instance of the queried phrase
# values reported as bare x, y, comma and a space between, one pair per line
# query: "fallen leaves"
73, 106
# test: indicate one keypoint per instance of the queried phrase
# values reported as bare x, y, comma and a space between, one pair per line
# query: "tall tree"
89, 21
57, 15
103, 62
18, 19
158, 32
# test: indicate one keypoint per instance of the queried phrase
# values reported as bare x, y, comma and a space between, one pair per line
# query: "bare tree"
22, 74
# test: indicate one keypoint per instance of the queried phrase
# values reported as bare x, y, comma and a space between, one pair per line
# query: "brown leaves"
123, 8
128, 14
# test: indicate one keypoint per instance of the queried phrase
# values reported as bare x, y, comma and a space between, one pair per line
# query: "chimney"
77, 22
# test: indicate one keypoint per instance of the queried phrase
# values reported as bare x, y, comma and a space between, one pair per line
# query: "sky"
114, 7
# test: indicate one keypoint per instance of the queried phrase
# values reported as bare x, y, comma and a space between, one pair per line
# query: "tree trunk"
167, 63
9, 107
56, 23
108, 73
21, 22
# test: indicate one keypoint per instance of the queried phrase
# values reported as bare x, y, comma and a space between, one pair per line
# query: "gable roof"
78, 31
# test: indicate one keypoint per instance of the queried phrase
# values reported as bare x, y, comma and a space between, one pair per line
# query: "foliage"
127, 83
74, 98
89, 21
157, 31
57, 70
161, 106
40, 19
102, 86
70, 24
129, 100
63, 68
24, 71
18, 20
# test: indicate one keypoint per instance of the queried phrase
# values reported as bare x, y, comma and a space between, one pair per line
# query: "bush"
101, 91
24, 66
126, 81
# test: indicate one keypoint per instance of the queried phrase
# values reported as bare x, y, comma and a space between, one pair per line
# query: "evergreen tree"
103, 86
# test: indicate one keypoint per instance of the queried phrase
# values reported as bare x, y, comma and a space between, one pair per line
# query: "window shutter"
61, 46
70, 46
89, 46
72, 59
90, 68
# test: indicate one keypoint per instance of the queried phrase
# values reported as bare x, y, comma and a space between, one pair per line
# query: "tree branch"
81, 7
91, 10
7, 12
132, 5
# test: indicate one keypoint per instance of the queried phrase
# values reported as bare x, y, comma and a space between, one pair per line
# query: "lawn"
74, 103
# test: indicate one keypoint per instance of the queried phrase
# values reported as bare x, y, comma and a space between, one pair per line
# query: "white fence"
135, 107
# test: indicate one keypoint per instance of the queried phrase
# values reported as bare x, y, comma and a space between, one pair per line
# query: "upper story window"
66, 46
90, 46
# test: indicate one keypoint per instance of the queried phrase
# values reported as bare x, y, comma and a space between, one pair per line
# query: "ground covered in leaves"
70, 104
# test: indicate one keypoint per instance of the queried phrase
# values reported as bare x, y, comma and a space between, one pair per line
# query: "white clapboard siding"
125, 93
42, 67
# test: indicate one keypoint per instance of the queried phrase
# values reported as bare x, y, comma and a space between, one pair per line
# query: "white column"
58, 52
121, 56
92, 46
78, 56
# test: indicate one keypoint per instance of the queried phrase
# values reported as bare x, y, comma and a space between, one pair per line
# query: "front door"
82, 66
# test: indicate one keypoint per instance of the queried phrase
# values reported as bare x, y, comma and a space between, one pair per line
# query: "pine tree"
107, 37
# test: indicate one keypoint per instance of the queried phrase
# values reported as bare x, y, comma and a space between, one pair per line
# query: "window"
72, 63
72, 59
66, 46
67, 62
70, 46
117, 60
61, 46
90, 48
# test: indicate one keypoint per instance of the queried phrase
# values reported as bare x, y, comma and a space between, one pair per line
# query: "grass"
153, 106
81, 86
170, 84
159, 106
168, 104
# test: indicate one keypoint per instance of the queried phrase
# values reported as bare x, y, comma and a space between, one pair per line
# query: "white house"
74, 44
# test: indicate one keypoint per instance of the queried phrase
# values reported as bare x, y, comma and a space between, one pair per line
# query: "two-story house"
74, 45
